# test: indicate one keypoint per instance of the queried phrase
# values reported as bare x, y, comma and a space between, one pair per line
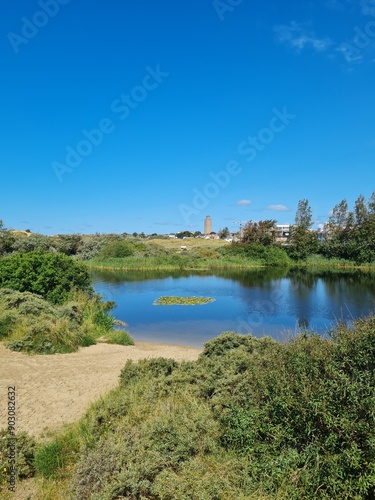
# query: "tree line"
348, 234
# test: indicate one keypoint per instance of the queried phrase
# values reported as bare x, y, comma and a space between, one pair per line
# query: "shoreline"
300, 265
57, 389
176, 268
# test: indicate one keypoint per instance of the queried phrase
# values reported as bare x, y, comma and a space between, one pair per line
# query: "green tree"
303, 241
338, 227
223, 233
6, 240
303, 218
68, 244
117, 249
184, 234
371, 205
262, 232
364, 229
30, 243
360, 211
338, 220
351, 234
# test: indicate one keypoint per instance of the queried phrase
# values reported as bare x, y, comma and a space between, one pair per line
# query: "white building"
282, 232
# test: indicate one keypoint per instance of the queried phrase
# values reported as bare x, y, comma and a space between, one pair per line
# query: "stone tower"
207, 225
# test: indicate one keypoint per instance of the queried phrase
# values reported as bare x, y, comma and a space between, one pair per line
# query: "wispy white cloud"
368, 7
355, 50
244, 203
278, 208
296, 36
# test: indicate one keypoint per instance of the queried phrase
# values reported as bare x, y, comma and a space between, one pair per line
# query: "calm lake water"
267, 302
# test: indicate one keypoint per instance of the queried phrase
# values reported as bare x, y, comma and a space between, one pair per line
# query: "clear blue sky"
278, 95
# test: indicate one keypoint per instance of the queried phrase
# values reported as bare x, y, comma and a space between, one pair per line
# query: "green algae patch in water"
182, 301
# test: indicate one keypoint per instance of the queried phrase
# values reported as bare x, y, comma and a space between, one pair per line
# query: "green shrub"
30, 243
53, 276
120, 337
153, 250
210, 478
226, 341
276, 256
127, 462
29, 323
25, 450
155, 367
7, 323
297, 410
121, 248
206, 253
90, 247
251, 419
268, 255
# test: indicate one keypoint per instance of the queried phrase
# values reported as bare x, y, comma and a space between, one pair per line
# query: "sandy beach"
52, 390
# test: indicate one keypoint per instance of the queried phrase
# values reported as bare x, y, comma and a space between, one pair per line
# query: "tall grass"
317, 262
29, 323
204, 257
173, 262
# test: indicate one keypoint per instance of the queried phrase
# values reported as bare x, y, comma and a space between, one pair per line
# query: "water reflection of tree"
119, 276
270, 291
257, 278
302, 283
247, 278
341, 287
354, 287
303, 323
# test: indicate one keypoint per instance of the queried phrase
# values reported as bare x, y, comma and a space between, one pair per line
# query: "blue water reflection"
271, 302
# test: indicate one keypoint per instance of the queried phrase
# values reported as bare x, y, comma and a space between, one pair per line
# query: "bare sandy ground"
52, 390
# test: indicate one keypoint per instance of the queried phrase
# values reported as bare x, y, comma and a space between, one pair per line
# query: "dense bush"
304, 412
153, 250
67, 244
250, 419
25, 449
158, 367
7, 240
29, 323
176, 430
121, 249
53, 276
30, 243
268, 255
90, 247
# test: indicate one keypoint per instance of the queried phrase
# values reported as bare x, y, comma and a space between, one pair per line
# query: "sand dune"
52, 390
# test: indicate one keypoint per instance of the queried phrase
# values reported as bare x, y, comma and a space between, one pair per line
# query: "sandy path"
56, 389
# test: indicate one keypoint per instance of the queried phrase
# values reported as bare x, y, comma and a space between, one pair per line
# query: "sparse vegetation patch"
182, 301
